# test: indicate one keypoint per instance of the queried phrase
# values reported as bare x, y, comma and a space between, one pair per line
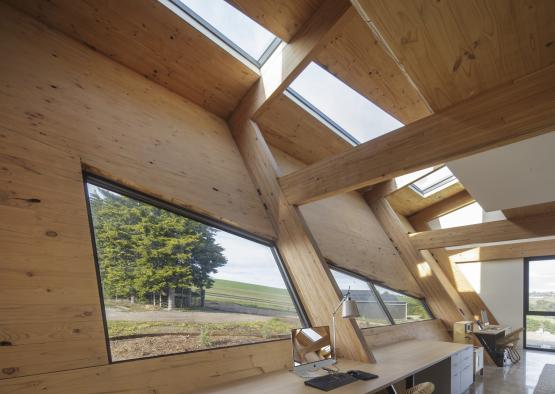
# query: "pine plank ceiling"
411, 58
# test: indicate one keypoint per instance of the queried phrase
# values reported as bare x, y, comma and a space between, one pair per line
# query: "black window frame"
526, 310
107, 184
372, 285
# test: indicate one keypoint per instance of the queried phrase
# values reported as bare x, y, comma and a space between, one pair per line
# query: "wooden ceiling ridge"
526, 107
516, 250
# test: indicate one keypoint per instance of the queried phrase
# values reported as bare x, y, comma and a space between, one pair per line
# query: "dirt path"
187, 316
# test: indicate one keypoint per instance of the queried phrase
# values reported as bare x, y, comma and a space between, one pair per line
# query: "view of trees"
145, 251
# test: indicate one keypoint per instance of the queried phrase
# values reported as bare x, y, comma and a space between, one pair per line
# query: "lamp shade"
350, 309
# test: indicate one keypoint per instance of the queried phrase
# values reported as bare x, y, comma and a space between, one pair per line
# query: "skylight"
436, 181
350, 114
233, 27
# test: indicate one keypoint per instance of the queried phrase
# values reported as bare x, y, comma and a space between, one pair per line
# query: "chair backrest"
422, 388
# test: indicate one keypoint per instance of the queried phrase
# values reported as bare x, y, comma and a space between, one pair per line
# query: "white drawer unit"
462, 370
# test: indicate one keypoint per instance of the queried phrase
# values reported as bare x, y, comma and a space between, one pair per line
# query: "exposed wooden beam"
450, 204
443, 299
506, 114
455, 275
287, 62
498, 231
503, 252
537, 209
302, 258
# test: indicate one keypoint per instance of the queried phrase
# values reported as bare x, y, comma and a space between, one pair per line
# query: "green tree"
144, 250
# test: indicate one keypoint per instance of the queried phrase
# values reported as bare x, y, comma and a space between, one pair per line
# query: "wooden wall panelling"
497, 231
294, 130
452, 271
349, 235
354, 55
526, 106
443, 299
62, 105
178, 374
289, 60
455, 49
50, 313
283, 18
309, 272
151, 39
61, 93
440, 208
424, 330
515, 250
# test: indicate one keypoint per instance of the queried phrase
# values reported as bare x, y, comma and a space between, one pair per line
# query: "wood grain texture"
290, 128
459, 281
425, 330
354, 55
287, 62
443, 299
284, 18
503, 252
408, 202
64, 105
350, 236
151, 39
443, 207
178, 374
63, 94
530, 210
455, 49
501, 230
301, 256
506, 114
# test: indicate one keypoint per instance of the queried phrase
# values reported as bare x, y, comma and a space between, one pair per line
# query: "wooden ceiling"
411, 58
454, 49
146, 36
282, 17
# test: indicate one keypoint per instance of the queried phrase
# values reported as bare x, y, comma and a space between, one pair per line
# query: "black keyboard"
331, 381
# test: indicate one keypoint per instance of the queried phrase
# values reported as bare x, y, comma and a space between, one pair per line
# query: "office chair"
421, 388
508, 345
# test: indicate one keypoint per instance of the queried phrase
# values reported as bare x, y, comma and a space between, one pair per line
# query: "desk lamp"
350, 310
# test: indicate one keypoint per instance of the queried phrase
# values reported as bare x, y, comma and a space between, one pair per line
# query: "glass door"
539, 303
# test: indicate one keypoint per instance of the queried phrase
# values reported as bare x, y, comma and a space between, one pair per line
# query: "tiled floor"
520, 378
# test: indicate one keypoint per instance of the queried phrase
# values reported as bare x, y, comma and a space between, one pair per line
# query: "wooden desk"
394, 363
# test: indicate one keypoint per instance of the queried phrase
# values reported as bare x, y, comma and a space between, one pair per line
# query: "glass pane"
352, 112
233, 25
541, 285
471, 214
434, 182
402, 308
371, 312
540, 332
172, 284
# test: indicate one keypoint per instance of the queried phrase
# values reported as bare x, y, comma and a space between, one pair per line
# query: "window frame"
430, 190
107, 184
258, 63
372, 284
526, 310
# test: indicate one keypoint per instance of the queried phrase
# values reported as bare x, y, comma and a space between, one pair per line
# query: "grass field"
246, 294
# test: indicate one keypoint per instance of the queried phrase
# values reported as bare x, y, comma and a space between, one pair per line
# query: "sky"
248, 261
542, 275
233, 24
350, 110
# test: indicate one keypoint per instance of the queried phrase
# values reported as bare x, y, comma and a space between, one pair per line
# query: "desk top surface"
492, 331
394, 363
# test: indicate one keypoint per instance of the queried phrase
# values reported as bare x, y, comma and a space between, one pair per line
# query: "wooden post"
309, 271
